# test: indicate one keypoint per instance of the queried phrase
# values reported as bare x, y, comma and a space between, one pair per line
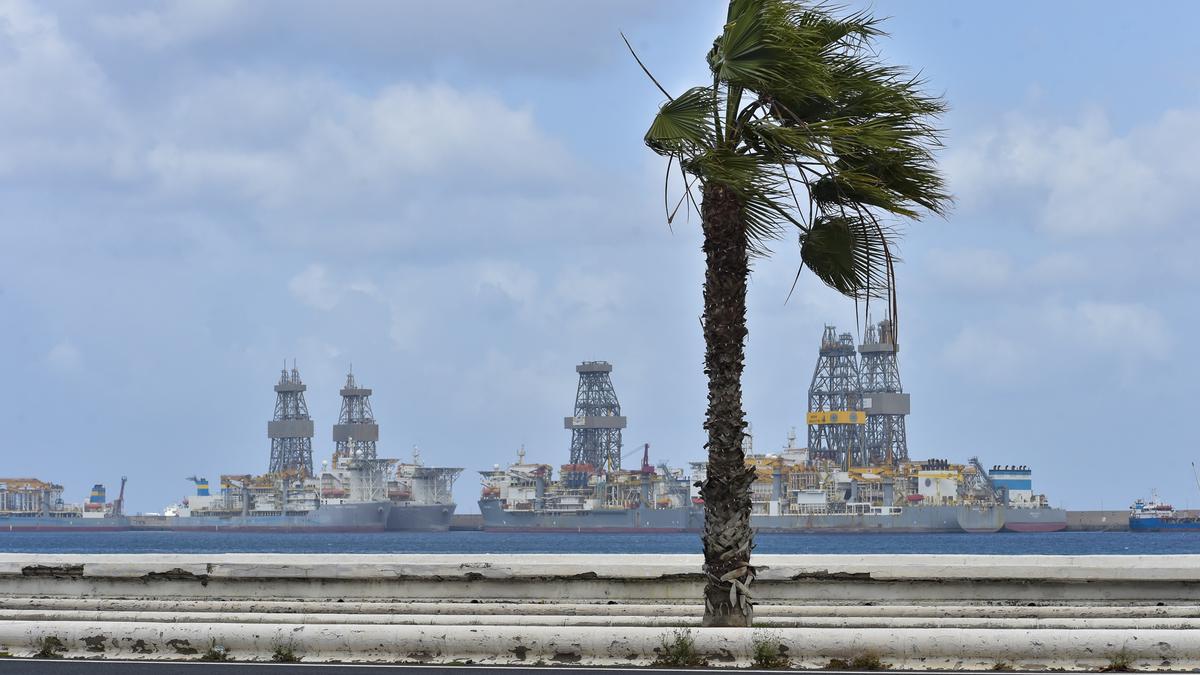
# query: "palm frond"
850, 254
684, 124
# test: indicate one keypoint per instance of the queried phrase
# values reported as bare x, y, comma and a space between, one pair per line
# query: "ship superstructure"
1024, 509
31, 504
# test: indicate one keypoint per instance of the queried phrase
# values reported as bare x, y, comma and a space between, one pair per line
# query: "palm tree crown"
809, 129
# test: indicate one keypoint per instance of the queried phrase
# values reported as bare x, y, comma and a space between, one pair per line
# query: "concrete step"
1073, 649
545, 607
1003, 623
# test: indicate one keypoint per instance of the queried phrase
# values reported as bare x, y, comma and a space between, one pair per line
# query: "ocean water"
1004, 543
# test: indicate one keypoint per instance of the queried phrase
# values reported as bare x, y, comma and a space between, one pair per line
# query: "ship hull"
643, 520
1034, 520
1164, 525
650, 521
360, 517
910, 519
52, 524
981, 520
407, 517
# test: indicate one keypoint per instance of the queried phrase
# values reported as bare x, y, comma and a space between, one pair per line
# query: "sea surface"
1003, 543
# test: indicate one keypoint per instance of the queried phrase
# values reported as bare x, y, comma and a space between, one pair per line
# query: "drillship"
525, 497
354, 491
32, 505
289, 497
421, 496
795, 492
593, 493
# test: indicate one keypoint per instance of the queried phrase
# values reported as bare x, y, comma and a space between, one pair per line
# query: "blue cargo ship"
1156, 516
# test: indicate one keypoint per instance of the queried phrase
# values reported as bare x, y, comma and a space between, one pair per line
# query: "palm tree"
802, 126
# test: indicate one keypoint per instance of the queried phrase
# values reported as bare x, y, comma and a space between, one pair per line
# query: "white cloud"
316, 288
592, 296
517, 283
1085, 178
1060, 268
986, 354
178, 22
64, 357
1022, 343
57, 115
974, 269
1131, 332
313, 287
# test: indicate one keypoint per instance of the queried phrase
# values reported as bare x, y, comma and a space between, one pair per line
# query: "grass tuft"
284, 654
867, 661
1121, 662
679, 651
770, 653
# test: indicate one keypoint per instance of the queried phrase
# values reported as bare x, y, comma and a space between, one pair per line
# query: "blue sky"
454, 197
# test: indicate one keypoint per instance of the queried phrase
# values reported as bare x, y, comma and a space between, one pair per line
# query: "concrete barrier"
1035, 612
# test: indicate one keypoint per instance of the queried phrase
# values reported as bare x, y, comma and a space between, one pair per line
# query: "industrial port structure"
597, 423
856, 408
291, 430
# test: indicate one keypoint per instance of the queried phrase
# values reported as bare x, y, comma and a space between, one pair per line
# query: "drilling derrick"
597, 424
356, 432
883, 399
835, 415
291, 430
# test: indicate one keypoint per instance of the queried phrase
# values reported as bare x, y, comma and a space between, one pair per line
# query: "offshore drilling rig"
291, 430
856, 407
597, 423
356, 432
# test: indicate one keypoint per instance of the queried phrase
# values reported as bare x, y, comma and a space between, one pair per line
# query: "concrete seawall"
1098, 521
1036, 612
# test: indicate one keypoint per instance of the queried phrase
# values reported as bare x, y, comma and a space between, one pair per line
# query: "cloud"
317, 145
971, 269
1024, 343
175, 23
383, 35
57, 116
1131, 332
986, 354
64, 357
1085, 178
314, 287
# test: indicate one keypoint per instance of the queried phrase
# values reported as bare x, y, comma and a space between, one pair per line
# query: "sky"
454, 197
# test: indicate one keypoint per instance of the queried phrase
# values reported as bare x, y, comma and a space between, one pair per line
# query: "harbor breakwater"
908, 611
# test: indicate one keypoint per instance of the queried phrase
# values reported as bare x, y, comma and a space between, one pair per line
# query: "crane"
119, 505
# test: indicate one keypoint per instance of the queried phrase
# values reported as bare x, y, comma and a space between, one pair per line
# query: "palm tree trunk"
726, 491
